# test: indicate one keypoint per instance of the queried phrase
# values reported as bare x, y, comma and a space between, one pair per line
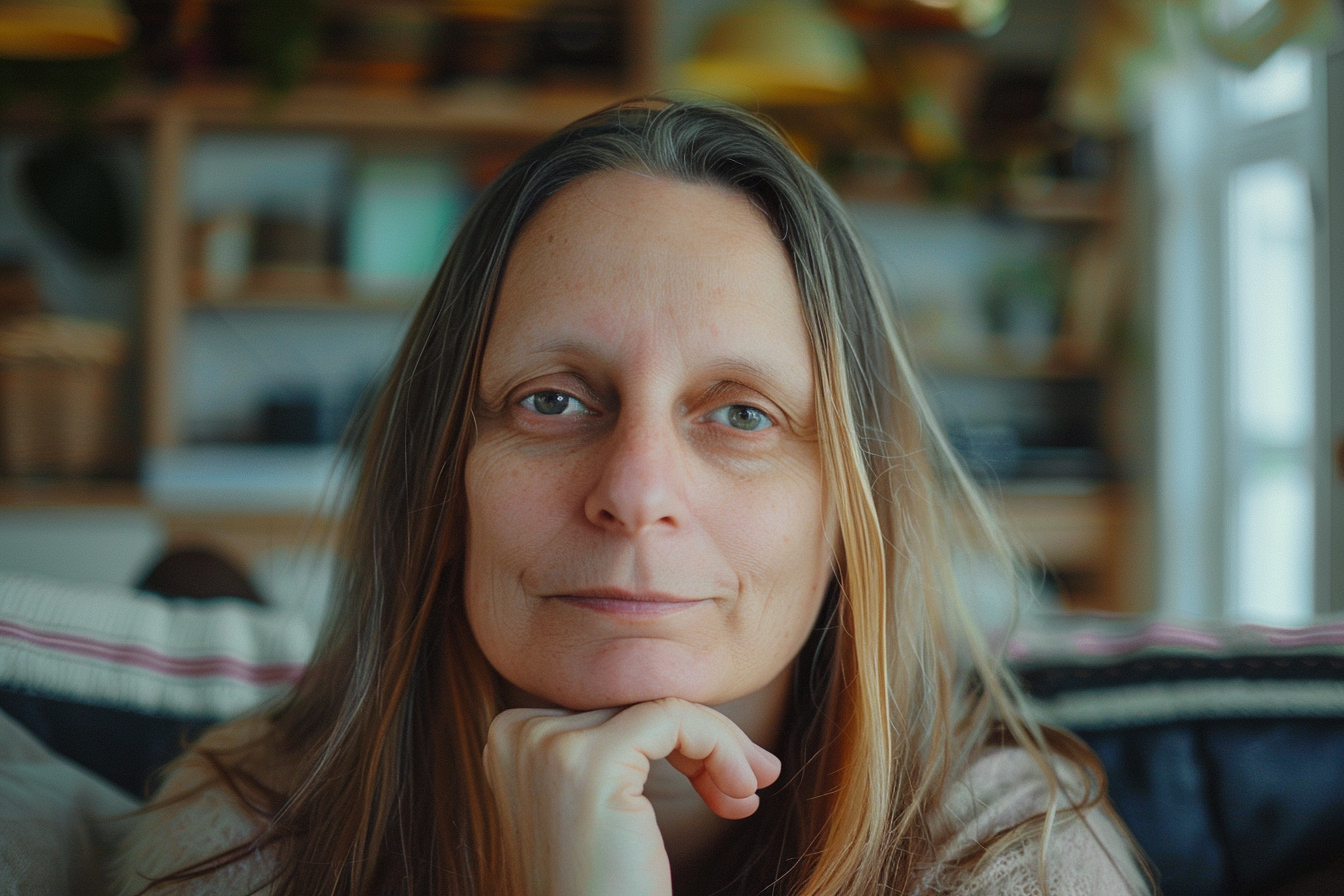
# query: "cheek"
508, 509
517, 515
779, 541
493, 515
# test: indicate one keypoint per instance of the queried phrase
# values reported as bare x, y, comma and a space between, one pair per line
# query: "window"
1237, 169
1270, 297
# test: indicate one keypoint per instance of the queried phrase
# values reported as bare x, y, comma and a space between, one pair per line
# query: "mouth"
618, 602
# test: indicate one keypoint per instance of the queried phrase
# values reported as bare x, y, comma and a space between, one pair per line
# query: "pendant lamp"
777, 52
62, 29
980, 17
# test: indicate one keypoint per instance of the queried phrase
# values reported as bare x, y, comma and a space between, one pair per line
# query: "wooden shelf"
482, 114
990, 366
1075, 534
315, 289
1052, 200
1047, 201
475, 111
305, 304
44, 493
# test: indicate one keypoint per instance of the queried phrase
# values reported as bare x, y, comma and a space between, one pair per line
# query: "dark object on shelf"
1014, 108
200, 573
281, 40
374, 43
189, 41
1019, 428
583, 39
292, 417
292, 255
285, 240
486, 48
18, 292
75, 191
996, 454
73, 86
1084, 158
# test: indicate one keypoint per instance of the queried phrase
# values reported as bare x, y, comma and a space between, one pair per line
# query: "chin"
613, 680
582, 700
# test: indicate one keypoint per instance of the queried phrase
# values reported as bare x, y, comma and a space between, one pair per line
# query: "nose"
641, 484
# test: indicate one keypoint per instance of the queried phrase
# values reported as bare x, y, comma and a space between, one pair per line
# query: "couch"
99, 687
1223, 745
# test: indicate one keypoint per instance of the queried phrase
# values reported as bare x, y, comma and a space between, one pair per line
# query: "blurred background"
1107, 223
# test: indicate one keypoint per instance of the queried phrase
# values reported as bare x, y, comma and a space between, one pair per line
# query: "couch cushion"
117, 679
57, 822
1224, 744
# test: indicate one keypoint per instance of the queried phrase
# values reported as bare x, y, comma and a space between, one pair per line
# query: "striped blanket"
117, 647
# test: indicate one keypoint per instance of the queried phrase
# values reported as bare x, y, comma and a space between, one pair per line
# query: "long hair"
384, 789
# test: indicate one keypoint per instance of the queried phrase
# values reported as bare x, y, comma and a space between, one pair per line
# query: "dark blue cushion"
1224, 747
124, 747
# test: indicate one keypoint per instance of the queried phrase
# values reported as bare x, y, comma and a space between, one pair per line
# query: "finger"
765, 764
704, 745
725, 769
720, 803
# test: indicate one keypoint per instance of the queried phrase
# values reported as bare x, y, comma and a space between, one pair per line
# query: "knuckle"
506, 721
568, 753
531, 735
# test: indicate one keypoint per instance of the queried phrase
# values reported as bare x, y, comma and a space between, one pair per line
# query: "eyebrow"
728, 364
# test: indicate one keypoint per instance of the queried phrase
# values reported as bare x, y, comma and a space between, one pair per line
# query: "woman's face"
646, 514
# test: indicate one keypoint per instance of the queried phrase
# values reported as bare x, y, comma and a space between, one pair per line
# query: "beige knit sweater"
1087, 856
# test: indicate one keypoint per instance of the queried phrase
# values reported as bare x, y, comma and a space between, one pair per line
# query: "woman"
650, 480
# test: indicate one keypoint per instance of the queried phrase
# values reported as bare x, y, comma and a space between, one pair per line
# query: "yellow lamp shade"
777, 52
62, 29
982, 17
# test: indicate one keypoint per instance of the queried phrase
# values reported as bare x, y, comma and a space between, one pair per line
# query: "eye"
550, 403
741, 416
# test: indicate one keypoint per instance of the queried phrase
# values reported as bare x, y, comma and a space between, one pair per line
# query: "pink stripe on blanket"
1165, 636
264, 674
1156, 634
1326, 635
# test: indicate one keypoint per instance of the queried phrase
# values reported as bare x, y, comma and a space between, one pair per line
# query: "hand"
571, 786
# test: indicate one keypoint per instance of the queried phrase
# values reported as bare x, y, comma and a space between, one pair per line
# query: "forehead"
616, 255
659, 216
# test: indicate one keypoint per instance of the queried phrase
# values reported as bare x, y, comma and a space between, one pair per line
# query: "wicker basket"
58, 394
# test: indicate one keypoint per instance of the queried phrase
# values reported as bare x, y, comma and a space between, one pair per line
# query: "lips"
618, 601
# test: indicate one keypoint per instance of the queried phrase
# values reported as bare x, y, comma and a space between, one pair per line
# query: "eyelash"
718, 415
728, 408
530, 402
